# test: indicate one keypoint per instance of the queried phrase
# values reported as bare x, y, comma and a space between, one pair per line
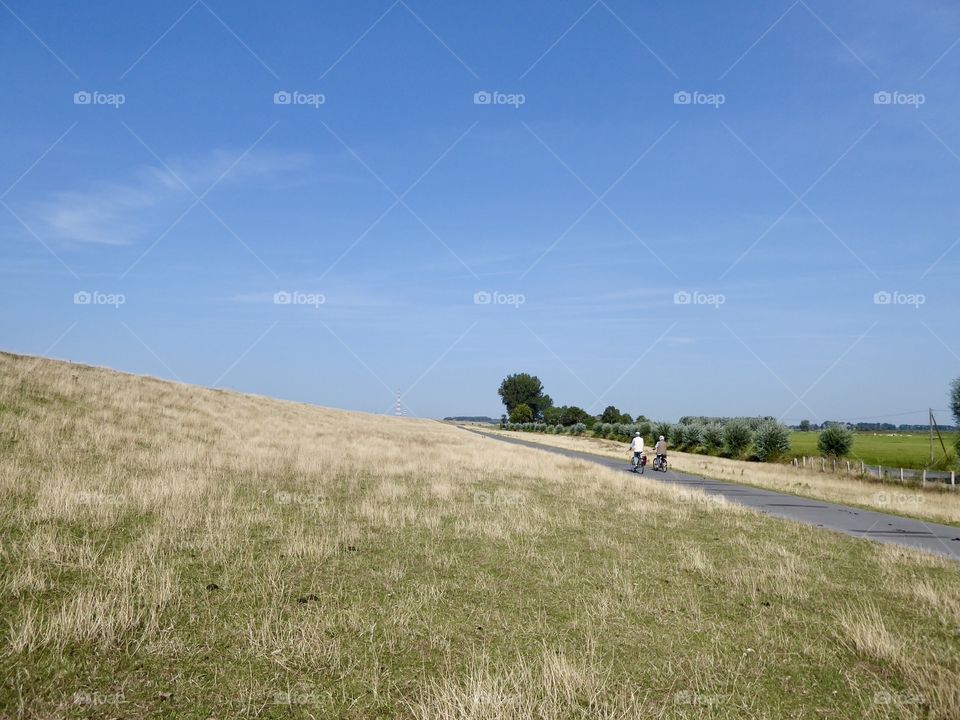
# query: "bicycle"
639, 462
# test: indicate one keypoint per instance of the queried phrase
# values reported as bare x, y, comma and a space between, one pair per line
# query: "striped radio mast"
398, 408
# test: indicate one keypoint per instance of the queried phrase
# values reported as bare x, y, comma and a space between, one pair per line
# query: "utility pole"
934, 425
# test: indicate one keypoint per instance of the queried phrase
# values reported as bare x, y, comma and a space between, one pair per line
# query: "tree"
641, 419
663, 428
693, 436
573, 415
610, 415
525, 389
771, 441
551, 415
521, 413
737, 437
643, 427
835, 441
712, 437
678, 436
805, 425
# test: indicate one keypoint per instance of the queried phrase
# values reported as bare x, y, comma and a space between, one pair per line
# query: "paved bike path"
867, 524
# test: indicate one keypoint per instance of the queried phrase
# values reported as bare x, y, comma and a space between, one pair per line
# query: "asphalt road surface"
867, 524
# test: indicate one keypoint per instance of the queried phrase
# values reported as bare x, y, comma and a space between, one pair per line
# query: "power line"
861, 418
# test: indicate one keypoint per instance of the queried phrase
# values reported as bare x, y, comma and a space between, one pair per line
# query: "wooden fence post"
923, 479
901, 474
863, 468
953, 478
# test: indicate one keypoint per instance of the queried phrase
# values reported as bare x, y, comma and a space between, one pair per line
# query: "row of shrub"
575, 429
762, 439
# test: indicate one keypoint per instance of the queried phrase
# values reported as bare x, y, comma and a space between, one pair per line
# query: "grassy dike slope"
170, 551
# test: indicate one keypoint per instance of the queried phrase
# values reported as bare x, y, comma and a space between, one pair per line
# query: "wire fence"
947, 478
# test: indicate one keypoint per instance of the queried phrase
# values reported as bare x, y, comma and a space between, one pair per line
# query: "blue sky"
149, 222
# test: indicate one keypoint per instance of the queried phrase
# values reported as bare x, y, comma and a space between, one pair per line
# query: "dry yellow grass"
930, 503
170, 550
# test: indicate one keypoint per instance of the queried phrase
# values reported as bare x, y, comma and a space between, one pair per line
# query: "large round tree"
524, 389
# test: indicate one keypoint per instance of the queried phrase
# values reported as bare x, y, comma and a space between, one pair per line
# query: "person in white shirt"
636, 446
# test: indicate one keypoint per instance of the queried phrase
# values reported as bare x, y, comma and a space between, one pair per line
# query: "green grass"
906, 450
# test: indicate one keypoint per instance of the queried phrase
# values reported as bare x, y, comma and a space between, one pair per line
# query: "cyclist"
661, 449
636, 445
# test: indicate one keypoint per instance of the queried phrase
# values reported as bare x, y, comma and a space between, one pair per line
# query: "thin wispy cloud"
129, 210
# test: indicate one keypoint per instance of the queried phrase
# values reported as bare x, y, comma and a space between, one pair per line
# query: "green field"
907, 450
